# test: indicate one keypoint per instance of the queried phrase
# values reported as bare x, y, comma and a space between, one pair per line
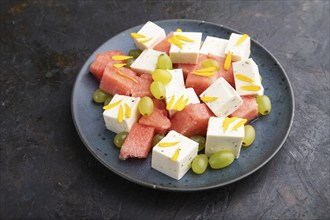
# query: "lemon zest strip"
241, 39
251, 88
112, 105
209, 98
128, 111
128, 77
176, 155
239, 124
144, 40
118, 65
207, 69
208, 74
168, 144
174, 40
227, 122
137, 35
121, 57
184, 38
178, 103
227, 61
170, 103
120, 116
243, 78
183, 104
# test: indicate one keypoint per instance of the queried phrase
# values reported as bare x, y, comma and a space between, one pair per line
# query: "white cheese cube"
217, 139
240, 52
215, 46
127, 104
163, 157
221, 98
187, 94
151, 31
146, 62
190, 50
247, 78
176, 85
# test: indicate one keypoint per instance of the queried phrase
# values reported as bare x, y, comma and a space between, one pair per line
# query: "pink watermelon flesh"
138, 142
248, 110
156, 120
226, 74
188, 68
147, 76
114, 83
192, 120
102, 60
142, 88
164, 45
200, 83
160, 106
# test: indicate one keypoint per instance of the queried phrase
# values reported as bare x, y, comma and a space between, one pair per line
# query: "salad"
189, 102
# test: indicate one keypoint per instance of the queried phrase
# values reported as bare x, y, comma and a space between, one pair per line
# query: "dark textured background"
46, 171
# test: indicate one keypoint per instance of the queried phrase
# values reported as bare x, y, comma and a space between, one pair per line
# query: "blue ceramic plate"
271, 130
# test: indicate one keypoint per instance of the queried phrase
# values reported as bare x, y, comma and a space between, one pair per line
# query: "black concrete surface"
46, 171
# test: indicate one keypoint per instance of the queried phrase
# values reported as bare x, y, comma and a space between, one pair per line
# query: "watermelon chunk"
114, 83
156, 120
160, 106
142, 88
102, 60
164, 45
188, 68
248, 110
192, 120
137, 143
228, 75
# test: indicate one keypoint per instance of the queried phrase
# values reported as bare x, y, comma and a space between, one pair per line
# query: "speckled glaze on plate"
272, 130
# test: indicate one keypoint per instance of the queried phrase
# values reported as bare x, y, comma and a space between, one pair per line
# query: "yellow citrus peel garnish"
168, 144
112, 105
243, 78
251, 88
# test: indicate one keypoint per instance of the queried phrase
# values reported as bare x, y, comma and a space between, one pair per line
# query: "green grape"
221, 159
249, 135
200, 140
164, 62
156, 139
158, 89
99, 96
211, 62
162, 75
108, 100
264, 104
129, 62
135, 53
120, 139
146, 106
199, 164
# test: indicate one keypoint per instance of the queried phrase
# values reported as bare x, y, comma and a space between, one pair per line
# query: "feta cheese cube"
215, 46
173, 155
190, 50
179, 100
176, 85
221, 98
240, 52
151, 31
129, 113
146, 62
247, 78
217, 138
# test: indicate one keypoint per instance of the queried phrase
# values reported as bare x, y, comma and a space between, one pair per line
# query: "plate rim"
165, 188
